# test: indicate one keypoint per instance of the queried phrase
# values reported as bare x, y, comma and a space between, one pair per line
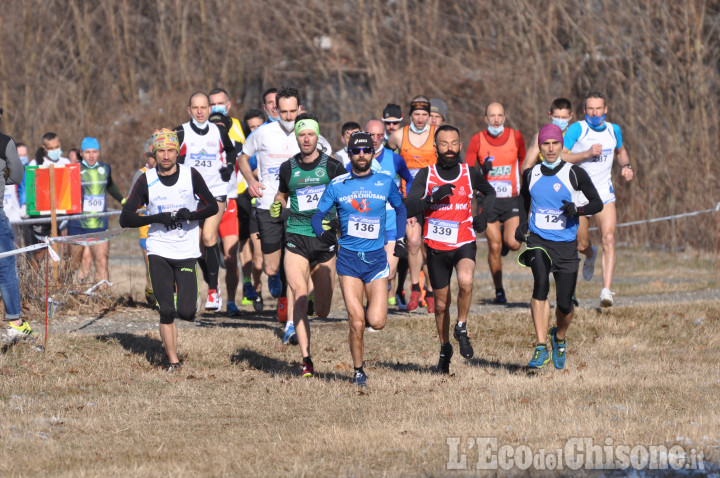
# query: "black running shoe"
461, 336
258, 304
444, 362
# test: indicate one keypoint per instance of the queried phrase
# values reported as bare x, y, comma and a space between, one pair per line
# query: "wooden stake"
53, 221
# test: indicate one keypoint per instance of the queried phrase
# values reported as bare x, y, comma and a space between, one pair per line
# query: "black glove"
521, 232
440, 193
400, 249
569, 209
328, 237
183, 214
226, 172
164, 218
219, 118
487, 165
480, 222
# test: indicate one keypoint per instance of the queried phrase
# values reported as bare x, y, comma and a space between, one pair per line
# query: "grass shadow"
404, 367
511, 368
275, 367
150, 347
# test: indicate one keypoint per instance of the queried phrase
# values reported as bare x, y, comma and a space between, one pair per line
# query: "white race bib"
443, 231
201, 160
503, 189
364, 227
309, 197
550, 219
94, 203
274, 174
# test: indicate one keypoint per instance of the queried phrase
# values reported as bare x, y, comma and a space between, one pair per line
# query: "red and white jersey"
448, 224
205, 154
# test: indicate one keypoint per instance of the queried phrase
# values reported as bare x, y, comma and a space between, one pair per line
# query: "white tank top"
204, 153
11, 205
182, 241
597, 167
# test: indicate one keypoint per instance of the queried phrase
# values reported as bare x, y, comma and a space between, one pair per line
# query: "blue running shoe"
249, 293
232, 309
500, 297
290, 337
558, 355
540, 358
275, 285
360, 379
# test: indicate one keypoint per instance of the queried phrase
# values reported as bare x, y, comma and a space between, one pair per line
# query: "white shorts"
606, 192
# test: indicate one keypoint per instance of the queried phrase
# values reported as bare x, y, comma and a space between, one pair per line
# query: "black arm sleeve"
207, 205
181, 138
415, 202
284, 177
137, 198
479, 183
525, 195
580, 180
112, 188
231, 151
335, 168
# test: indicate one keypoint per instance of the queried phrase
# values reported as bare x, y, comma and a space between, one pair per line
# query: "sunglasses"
392, 122
356, 151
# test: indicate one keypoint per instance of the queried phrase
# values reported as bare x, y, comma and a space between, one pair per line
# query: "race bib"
364, 227
202, 160
443, 231
309, 197
94, 203
274, 174
503, 189
550, 219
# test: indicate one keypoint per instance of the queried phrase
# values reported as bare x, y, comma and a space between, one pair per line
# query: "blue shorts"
143, 243
76, 230
366, 266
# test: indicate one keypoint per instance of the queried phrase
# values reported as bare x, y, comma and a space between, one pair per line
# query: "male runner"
269, 97
274, 143
438, 112
393, 165
303, 178
360, 197
415, 142
498, 151
392, 119
593, 144
202, 145
560, 114
177, 199
551, 193
444, 191
345, 131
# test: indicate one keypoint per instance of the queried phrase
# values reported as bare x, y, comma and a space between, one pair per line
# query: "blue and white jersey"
393, 165
547, 193
361, 203
580, 137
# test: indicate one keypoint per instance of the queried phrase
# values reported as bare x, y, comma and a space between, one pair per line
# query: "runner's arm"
472, 150
395, 200
581, 181
207, 205
231, 151
327, 201
479, 183
520, 144
531, 156
335, 168
137, 198
525, 195
134, 179
112, 188
402, 169
415, 202
13, 163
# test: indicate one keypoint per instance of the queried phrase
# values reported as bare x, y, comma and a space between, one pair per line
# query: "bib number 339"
443, 231
364, 227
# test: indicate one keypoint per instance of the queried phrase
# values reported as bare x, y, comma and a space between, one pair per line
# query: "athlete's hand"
441, 193
255, 189
330, 224
226, 172
183, 214
400, 249
521, 233
627, 173
595, 150
487, 165
480, 222
412, 221
328, 237
276, 209
164, 218
569, 209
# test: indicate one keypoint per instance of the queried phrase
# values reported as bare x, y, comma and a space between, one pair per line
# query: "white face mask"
287, 125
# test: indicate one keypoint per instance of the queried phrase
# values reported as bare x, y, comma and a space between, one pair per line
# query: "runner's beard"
362, 169
448, 159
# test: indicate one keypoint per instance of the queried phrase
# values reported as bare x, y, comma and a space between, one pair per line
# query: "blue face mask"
218, 109
560, 123
23, 159
54, 154
551, 165
595, 121
200, 125
415, 130
496, 131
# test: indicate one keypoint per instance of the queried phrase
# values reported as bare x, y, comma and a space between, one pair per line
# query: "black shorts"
311, 248
244, 213
505, 209
563, 255
272, 230
440, 264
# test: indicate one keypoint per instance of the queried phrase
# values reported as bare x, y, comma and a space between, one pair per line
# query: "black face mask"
448, 160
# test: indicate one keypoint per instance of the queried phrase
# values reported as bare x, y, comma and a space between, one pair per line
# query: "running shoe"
400, 299
249, 294
214, 300
258, 304
282, 309
150, 298
541, 357
360, 379
392, 301
443, 366
19, 332
174, 368
558, 355
430, 304
589, 265
500, 298
414, 300
290, 337
606, 298
308, 370
275, 285
575, 301
232, 309
461, 335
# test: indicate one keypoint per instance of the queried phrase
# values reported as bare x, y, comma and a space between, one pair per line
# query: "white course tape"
81, 239
63, 218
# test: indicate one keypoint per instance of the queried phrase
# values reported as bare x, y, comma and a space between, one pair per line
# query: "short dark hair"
20, 145
560, 104
289, 92
445, 127
198, 93
594, 94
267, 92
348, 126
254, 113
303, 116
49, 136
217, 90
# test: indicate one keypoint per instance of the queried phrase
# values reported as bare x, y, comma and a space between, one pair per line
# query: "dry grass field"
96, 404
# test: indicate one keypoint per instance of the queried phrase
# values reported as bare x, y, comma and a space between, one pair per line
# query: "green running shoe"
558, 355
541, 357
